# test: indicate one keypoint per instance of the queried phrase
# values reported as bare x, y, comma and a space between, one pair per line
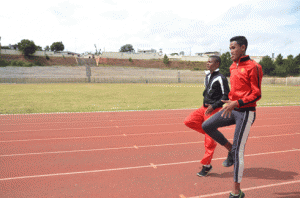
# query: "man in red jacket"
245, 78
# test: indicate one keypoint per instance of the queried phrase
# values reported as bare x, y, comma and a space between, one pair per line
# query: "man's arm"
225, 91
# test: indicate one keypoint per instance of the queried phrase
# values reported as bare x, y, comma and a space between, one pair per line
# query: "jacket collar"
208, 72
243, 59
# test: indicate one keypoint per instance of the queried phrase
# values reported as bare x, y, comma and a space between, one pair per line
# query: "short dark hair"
241, 40
216, 58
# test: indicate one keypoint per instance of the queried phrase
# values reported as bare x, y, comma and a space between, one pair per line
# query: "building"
68, 53
208, 54
146, 51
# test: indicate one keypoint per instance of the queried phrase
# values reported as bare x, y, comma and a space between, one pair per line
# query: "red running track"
142, 154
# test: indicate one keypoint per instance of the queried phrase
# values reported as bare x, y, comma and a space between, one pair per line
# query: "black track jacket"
216, 89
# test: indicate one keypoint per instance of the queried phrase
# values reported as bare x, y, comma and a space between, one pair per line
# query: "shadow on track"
260, 173
287, 195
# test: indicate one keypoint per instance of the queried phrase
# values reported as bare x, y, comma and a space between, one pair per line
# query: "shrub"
47, 57
28, 64
166, 60
130, 59
37, 63
3, 63
16, 63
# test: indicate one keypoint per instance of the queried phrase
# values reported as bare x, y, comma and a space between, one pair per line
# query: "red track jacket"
245, 79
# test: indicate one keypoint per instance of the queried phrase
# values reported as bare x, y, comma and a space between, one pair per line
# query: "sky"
271, 26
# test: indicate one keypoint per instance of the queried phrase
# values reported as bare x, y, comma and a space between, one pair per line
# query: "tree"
57, 46
39, 48
296, 68
174, 54
27, 47
279, 60
267, 65
166, 59
288, 64
47, 48
280, 69
126, 48
225, 63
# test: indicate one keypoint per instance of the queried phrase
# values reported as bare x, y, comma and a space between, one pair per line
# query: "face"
236, 51
212, 65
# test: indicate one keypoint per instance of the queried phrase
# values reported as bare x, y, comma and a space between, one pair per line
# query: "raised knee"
205, 126
188, 122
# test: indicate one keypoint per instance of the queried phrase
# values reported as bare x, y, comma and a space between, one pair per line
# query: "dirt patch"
189, 65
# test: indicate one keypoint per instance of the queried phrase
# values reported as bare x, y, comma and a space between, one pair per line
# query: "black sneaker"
240, 195
204, 171
229, 161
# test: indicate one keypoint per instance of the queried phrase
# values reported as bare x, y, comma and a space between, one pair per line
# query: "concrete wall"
10, 52
37, 53
123, 55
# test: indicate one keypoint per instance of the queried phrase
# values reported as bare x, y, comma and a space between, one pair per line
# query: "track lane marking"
139, 111
97, 121
104, 136
135, 167
155, 167
20, 131
181, 123
143, 146
122, 120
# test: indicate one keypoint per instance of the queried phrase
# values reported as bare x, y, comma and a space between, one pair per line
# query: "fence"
92, 74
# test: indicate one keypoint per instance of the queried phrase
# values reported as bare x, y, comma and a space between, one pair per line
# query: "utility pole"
96, 48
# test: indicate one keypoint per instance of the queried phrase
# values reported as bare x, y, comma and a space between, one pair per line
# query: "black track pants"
243, 121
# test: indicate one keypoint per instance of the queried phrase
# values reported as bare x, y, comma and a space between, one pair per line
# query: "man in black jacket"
216, 89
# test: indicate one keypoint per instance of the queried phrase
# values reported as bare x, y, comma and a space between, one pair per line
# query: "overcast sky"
192, 26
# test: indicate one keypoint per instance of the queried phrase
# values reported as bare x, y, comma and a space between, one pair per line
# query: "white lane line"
181, 123
42, 130
124, 111
120, 120
247, 189
155, 167
128, 168
103, 149
143, 146
95, 121
225, 128
95, 112
87, 137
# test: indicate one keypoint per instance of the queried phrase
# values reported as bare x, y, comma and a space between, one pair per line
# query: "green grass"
46, 98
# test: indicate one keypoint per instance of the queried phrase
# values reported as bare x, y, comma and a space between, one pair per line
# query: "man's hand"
209, 109
229, 106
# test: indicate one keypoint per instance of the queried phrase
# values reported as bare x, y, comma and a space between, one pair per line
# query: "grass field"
46, 98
